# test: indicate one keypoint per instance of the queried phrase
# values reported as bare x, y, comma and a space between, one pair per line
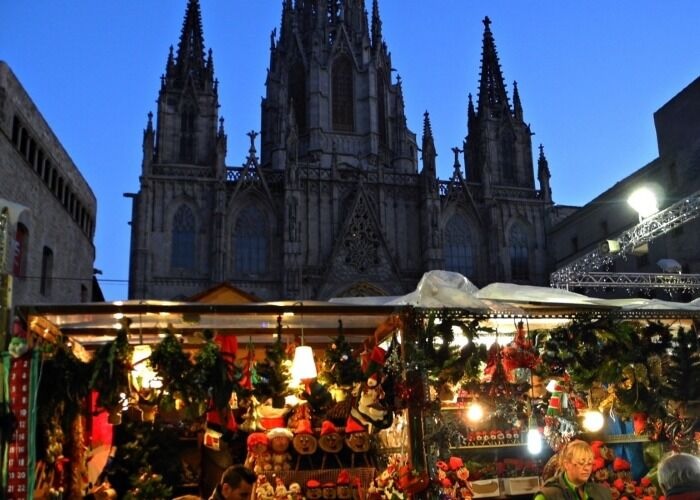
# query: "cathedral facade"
336, 202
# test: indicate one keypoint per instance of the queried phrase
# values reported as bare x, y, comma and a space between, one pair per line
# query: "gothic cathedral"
336, 202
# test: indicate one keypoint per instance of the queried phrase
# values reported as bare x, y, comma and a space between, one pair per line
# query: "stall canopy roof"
95, 323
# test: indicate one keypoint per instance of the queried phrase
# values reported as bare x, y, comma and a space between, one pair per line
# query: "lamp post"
9, 214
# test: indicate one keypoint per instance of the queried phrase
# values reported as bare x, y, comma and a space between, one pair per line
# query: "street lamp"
644, 201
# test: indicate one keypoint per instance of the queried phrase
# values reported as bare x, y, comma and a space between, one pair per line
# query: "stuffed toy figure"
330, 442
259, 458
304, 442
280, 438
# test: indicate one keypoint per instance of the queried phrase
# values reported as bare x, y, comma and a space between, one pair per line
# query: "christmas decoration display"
273, 372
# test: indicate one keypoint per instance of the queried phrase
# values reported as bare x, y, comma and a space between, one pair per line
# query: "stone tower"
335, 203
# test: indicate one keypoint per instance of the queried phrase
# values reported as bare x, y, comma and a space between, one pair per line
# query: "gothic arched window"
250, 242
458, 249
182, 255
518, 249
187, 133
297, 94
342, 92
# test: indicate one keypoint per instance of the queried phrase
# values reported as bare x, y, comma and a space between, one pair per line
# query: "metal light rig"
581, 271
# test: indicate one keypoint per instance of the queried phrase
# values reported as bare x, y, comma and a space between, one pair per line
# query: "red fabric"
303, 427
327, 427
352, 425
257, 438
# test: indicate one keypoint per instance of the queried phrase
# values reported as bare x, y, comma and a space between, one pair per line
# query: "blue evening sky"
590, 76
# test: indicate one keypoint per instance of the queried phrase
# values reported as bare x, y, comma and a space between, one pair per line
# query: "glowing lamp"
534, 441
593, 420
475, 412
643, 200
303, 365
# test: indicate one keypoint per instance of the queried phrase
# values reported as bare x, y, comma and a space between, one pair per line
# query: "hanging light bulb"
593, 420
534, 441
475, 412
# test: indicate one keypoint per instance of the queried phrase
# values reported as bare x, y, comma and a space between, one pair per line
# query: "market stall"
446, 392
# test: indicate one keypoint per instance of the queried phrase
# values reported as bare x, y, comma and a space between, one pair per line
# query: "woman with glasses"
571, 482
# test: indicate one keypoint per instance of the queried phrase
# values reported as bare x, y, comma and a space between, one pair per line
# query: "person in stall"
679, 476
236, 484
572, 479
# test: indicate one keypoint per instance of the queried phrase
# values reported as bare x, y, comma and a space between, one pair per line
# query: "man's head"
237, 483
577, 461
679, 470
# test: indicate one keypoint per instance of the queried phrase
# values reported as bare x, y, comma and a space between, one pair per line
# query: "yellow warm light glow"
475, 412
593, 420
534, 441
303, 365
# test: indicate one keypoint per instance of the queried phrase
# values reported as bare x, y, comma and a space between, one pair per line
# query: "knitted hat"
257, 438
327, 427
279, 432
352, 426
620, 464
303, 427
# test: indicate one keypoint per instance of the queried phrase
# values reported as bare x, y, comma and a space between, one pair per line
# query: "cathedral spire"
428, 145
190, 50
492, 90
376, 26
543, 175
517, 107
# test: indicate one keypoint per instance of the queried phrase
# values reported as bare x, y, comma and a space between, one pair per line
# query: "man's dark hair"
237, 473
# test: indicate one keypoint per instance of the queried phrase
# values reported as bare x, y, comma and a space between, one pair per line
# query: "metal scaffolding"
580, 272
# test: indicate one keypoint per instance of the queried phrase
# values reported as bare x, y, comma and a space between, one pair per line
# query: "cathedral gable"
360, 251
342, 45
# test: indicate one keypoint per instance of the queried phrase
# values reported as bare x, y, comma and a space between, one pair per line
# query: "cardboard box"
486, 488
521, 485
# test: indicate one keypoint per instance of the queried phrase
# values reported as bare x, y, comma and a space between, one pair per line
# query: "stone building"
50, 247
673, 176
337, 201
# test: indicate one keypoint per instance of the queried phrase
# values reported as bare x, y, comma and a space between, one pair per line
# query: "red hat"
352, 425
327, 427
303, 427
598, 463
343, 478
378, 355
279, 432
257, 438
329, 484
313, 483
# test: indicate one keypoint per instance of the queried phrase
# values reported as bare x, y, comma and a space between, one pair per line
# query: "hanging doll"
370, 405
